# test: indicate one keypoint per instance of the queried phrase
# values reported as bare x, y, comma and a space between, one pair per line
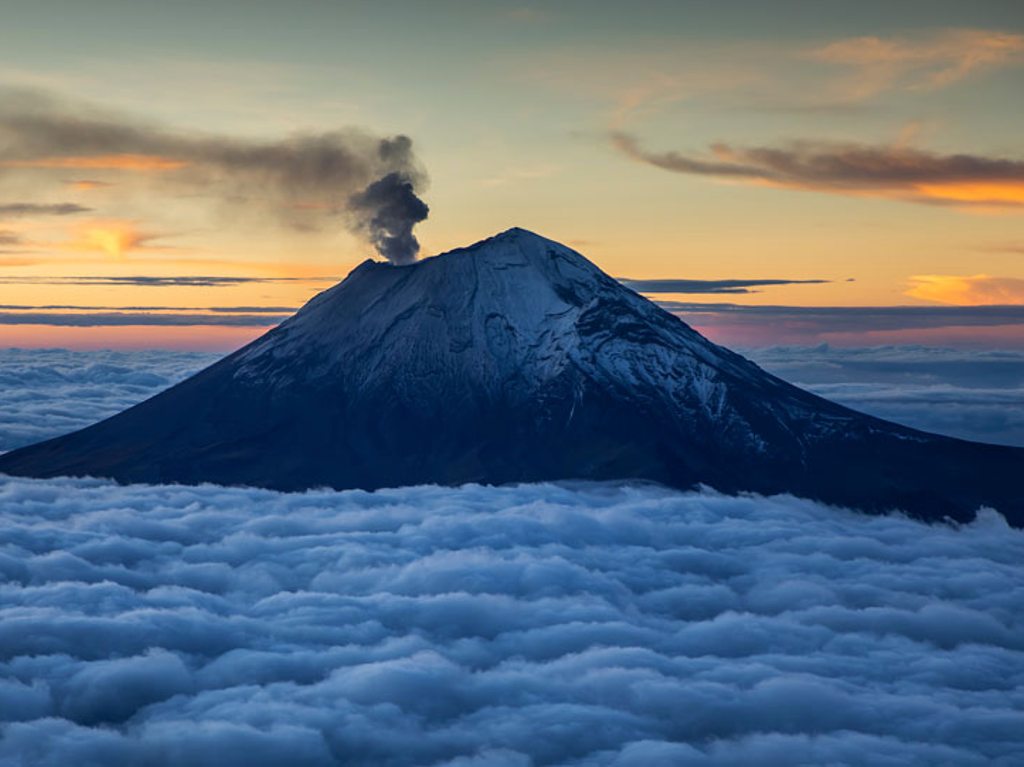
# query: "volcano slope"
517, 360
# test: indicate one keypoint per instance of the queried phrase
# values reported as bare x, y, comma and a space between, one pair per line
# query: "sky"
185, 174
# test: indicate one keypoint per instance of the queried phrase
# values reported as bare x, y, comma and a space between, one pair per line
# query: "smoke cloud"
392, 210
309, 181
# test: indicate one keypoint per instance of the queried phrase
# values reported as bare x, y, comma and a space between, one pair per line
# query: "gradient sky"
873, 148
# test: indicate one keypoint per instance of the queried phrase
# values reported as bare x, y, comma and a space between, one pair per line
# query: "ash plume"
391, 210
310, 181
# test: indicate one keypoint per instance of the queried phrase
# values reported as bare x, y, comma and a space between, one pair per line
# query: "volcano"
517, 360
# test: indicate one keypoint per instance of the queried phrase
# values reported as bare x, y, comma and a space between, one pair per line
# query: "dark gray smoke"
308, 181
392, 210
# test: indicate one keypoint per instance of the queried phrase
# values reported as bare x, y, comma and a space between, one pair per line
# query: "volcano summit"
517, 360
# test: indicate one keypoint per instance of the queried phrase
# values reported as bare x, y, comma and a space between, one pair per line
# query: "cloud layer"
977, 395
532, 625
148, 281
48, 392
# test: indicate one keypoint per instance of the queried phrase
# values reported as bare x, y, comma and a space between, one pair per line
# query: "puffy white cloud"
533, 625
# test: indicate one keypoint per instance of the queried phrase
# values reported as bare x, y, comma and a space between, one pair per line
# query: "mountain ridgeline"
517, 360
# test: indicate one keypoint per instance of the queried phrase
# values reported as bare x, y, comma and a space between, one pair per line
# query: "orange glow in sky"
992, 193
129, 162
115, 238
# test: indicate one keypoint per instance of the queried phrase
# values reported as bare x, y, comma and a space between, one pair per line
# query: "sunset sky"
857, 157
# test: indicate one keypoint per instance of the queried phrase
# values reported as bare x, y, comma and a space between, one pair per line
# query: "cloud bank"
48, 392
534, 625
976, 395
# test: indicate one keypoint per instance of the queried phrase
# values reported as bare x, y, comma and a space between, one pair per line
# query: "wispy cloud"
87, 308
973, 290
20, 209
895, 171
928, 61
108, 319
203, 281
708, 286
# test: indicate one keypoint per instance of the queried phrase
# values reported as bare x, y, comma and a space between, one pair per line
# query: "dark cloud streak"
143, 281
220, 309
19, 209
708, 286
895, 171
109, 319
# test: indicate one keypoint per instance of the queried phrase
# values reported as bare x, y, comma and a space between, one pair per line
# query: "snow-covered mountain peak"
516, 284
516, 359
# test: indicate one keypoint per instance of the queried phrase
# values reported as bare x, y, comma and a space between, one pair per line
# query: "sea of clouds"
975, 394
587, 624
48, 392
534, 625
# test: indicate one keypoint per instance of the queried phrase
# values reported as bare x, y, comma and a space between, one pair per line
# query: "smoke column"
391, 210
